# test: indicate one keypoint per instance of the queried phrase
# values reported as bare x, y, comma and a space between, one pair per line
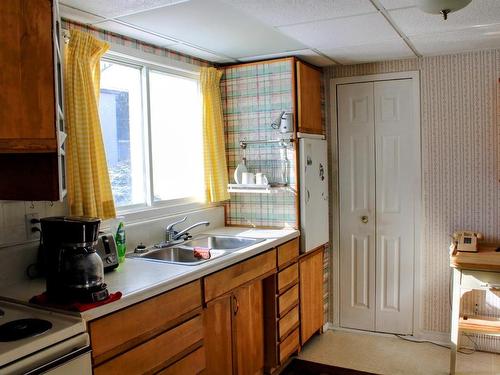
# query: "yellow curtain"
213, 134
89, 187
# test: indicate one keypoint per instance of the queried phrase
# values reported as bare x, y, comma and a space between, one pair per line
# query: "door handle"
236, 305
364, 219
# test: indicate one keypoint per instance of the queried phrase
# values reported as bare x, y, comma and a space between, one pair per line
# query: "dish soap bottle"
121, 245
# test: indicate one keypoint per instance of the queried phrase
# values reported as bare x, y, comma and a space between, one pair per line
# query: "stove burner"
22, 328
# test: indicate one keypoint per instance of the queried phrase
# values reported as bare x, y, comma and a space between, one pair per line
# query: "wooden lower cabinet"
248, 327
311, 294
193, 363
234, 332
218, 336
158, 334
155, 354
241, 320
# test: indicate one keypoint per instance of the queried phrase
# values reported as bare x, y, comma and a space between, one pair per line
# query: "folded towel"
201, 252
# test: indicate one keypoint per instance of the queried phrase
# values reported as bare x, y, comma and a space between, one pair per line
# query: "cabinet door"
27, 104
218, 336
311, 294
248, 329
309, 99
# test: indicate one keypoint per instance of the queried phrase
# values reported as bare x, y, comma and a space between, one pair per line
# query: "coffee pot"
74, 270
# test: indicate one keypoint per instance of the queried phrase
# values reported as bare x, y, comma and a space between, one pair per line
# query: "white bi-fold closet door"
378, 161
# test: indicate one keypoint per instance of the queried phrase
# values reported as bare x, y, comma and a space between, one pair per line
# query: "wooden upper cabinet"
32, 159
309, 99
27, 97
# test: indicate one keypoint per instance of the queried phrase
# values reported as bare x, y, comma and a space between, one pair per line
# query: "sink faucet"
172, 235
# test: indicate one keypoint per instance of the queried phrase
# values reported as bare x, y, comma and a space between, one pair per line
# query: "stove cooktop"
25, 330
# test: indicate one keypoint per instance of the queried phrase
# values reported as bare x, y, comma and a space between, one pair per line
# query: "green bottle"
121, 245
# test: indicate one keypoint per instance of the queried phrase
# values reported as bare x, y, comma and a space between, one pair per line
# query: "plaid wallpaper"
253, 95
111, 37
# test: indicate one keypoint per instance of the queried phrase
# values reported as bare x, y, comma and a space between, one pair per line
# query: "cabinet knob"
364, 219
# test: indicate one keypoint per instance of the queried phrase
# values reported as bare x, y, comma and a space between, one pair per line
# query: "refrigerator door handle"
308, 196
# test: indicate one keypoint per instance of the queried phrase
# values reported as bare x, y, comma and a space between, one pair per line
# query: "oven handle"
59, 361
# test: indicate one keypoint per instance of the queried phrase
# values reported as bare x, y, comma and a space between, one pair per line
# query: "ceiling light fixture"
443, 7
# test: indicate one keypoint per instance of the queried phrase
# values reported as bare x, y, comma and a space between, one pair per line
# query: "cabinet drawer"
232, 277
193, 363
288, 277
154, 354
288, 322
289, 345
288, 252
287, 300
126, 328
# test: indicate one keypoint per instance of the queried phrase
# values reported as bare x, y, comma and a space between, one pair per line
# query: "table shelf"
480, 324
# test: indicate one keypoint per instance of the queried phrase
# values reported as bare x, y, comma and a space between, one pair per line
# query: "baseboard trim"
327, 326
442, 338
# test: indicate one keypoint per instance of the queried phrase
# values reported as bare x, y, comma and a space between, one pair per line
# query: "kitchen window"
152, 129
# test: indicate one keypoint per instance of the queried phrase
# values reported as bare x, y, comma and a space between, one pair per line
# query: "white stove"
36, 341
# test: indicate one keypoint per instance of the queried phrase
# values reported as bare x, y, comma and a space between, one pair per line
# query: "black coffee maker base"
81, 295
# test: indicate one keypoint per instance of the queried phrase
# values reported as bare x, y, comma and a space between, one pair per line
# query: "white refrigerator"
313, 159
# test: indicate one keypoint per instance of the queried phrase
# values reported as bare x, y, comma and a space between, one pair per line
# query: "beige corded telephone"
466, 240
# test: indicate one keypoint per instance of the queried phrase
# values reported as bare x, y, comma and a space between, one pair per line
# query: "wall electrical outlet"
33, 226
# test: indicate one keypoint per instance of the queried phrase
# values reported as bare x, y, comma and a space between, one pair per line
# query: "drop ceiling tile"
135, 33
457, 41
342, 32
307, 55
116, 8
216, 27
394, 4
195, 52
286, 12
413, 21
78, 15
392, 50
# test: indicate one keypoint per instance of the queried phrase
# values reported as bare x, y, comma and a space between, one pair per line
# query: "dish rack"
276, 169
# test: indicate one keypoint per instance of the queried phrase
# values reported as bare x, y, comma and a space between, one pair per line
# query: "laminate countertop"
139, 279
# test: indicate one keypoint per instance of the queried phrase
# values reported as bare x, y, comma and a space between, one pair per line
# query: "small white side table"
481, 271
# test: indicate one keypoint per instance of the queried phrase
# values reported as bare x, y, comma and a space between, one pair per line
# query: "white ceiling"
323, 32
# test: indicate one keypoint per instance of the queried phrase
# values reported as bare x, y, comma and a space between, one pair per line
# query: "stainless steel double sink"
194, 252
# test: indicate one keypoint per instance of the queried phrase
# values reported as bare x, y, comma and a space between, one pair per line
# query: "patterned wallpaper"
111, 37
253, 95
460, 126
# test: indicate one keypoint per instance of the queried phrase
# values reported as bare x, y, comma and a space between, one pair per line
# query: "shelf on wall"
257, 189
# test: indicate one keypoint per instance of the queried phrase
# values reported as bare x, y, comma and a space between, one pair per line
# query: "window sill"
144, 214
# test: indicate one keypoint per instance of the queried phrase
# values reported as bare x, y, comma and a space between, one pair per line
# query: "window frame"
152, 208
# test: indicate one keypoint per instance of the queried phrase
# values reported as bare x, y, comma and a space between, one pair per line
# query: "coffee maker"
74, 271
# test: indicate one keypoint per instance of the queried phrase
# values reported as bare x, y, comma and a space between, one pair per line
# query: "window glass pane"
120, 111
176, 133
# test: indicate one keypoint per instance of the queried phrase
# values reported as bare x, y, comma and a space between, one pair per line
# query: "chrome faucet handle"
171, 226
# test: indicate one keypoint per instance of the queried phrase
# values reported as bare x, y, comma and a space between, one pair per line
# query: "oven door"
79, 364
71, 356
